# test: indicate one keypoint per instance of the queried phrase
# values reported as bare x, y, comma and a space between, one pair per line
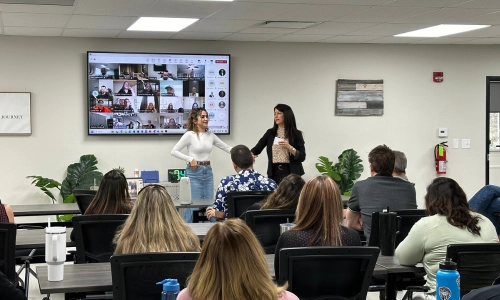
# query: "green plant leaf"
350, 168
325, 167
81, 175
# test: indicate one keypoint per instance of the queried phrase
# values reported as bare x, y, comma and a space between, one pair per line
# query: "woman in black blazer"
285, 145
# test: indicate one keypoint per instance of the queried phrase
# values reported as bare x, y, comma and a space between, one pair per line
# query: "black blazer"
295, 161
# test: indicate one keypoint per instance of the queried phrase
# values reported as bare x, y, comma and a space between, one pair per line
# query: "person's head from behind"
154, 225
232, 265
242, 158
286, 196
445, 197
195, 119
112, 196
283, 116
400, 163
320, 210
381, 160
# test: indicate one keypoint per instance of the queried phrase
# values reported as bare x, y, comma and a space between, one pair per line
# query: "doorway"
492, 155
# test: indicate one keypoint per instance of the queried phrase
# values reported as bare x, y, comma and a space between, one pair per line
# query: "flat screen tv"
153, 93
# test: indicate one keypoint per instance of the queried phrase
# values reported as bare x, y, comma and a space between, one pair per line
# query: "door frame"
489, 80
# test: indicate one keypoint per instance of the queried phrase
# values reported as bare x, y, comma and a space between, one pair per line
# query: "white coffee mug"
55, 252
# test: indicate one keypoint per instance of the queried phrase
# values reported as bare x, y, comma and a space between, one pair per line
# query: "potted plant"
79, 175
348, 168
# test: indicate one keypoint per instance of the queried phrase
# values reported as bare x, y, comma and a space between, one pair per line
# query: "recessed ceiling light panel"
161, 24
441, 30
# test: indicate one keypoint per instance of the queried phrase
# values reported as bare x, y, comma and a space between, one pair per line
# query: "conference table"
97, 277
35, 238
72, 208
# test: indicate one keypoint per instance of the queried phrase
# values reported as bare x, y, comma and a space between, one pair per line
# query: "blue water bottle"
447, 281
171, 289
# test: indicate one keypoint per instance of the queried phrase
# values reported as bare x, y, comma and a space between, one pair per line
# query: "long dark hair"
291, 131
286, 196
445, 197
112, 197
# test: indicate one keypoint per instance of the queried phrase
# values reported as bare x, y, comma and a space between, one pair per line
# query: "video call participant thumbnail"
193, 88
104, 93
100, 107
146, 90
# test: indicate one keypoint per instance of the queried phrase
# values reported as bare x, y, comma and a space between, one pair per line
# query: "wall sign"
15, 113
360, 97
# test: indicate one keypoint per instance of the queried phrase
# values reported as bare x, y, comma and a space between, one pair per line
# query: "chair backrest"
406, 219
327, 272
239, 202
135, 275
265, 224
85, 192
8, 233
94, 236
477, 263
83, 201
374, 240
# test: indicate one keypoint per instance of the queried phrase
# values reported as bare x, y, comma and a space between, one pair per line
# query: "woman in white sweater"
450, 221
199, 143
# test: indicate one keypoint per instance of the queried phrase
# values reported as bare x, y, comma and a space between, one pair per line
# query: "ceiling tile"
251, 37
426, 3
36, 9
219, 25
385, 14
335, 28
491, 19
34, 20
350, 39
446, 15
253, 11
100, 22
441, 40
319, 12
32, 31
184, 9
160, 35
388, 29
301, 38
112, 7
76, 32
481, 4
481, 33
206, 36
268, 30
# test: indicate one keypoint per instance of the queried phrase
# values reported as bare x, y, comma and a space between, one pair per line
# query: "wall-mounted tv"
153, 93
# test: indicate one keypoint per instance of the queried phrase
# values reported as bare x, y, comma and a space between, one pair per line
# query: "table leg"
390, 286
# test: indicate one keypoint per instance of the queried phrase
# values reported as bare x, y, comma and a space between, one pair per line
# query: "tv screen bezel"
194, 55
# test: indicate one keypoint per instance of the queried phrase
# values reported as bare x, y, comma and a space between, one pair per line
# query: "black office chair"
406, 219
86, 192
266, 225
477, 263
83, 201
327, 272
239, 202
135, 275
94, 236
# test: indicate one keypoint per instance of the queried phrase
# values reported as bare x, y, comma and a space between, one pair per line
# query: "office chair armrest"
376, 288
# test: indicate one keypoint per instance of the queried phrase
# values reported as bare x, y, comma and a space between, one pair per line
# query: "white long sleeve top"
198, 146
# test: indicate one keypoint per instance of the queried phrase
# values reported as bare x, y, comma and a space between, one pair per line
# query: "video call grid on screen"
153, 93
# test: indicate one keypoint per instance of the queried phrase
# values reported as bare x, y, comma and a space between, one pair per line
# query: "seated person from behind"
151, 108
112, 196
379, 191
6, 213
231, 251
154, 225
286, 196
319, 204
8, 290
100, 107
170, 91
400, 164
450, 221
487, 202
246, 179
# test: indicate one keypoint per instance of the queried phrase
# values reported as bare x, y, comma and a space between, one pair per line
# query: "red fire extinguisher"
440, 158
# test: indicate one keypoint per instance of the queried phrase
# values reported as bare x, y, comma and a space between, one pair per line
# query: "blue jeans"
486, 202
202, 187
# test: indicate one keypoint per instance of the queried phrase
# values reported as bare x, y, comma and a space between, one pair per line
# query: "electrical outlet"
465, 143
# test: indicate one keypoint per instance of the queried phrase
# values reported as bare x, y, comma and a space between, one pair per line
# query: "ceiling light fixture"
441, 30
161, 24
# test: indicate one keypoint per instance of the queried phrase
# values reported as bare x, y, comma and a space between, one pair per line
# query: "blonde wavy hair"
232, 266
154, 225
320, 210
193, 117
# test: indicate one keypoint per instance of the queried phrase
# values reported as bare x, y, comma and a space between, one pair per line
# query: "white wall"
263, 74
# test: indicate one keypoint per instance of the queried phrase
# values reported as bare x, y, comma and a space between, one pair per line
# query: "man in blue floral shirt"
247, 179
